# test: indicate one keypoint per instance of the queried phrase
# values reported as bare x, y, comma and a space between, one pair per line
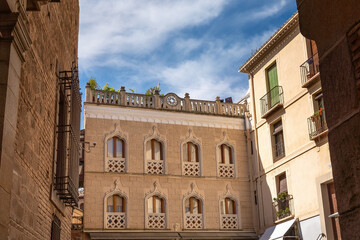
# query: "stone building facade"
38, 55
165, 167
291, 172
334, 25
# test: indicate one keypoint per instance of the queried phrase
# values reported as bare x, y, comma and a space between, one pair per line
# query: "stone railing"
193, 221
226, 170
156, 221
155, 167
115, 220
191, 168
229, 221
168, 102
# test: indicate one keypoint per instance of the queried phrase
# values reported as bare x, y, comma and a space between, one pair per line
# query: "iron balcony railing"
271, 99
283, 206
309, 68
317, 123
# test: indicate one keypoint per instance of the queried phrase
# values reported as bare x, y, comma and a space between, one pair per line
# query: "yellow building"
291, 169
165, 167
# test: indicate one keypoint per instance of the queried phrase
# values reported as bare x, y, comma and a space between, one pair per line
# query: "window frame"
123, 195
156, 194
219, 152
122, 137
277, 131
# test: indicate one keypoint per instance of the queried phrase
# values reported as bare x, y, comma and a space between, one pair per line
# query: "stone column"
218, 109
157, 99
187, 102
88, 94
122, 96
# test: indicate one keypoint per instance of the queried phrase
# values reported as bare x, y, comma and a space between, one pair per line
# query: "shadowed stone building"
165, 167
39, 118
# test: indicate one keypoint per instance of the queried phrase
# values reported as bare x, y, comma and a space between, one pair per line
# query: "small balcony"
226, 170
116, 165
317, 124
156, 221
271, 101
115, 220
155, 166
229, 221
191, 168
283, 206
309, 71
193, 221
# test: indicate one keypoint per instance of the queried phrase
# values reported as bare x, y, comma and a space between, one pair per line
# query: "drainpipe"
251, 77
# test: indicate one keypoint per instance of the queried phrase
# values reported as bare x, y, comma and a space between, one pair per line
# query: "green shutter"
273, 82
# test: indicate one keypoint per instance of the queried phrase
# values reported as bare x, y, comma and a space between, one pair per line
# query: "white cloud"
267, 10
137, 27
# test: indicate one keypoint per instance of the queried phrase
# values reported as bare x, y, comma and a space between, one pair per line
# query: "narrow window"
272, 78
278, 139
193, 206
115, 203
116, 148
192, 152
226, 154
156, 205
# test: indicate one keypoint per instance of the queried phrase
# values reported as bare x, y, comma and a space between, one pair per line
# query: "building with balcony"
165, 167
292, 183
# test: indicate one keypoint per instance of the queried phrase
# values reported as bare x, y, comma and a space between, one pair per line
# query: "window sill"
311, 80
56, 201
284, 219
279, 158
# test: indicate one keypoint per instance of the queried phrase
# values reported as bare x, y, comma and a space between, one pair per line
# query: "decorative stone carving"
115, 220
191, 168
226, 169
194, 221
155, 220
229, 221
155, 166
116, 164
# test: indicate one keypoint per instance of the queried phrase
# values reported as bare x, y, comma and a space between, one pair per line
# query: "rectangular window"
278, 140
281, 184
55, 228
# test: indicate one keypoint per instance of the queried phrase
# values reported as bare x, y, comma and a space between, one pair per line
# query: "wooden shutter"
123, 204
234, 206
152, 149
114, 146
222, 153
162, 206
161, 151
199, 206
123, 148
154, 204
197, 152
191, 204
189, 151
230, 155
226, 206
114, 203
272, 83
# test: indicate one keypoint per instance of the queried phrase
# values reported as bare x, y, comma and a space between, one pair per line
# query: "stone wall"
334, 27
53, 32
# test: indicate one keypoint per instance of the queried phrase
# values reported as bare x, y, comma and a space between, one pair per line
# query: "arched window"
193, 209
115, 148
115, 157
115, 203
226, 154
115, 212
228, 206
156, 216
225, 161
193, 206
191, 159
228, 214
154, 155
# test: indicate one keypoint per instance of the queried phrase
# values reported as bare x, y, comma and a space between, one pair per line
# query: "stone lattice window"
191, 162
115, 215
193, 213
156, 216
225, 156
115, 155
229, 218
154, 155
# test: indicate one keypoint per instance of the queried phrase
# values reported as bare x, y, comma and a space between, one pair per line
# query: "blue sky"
193, 46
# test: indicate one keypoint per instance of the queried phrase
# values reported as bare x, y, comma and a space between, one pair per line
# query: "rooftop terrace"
168, 102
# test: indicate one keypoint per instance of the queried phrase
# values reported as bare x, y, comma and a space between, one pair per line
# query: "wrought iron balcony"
283, 206
309, 71
317, 124
271, 101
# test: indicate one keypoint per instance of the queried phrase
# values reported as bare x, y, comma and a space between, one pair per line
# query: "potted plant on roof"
281, 202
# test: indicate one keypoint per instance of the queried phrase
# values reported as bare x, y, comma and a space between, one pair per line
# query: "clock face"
171, 100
